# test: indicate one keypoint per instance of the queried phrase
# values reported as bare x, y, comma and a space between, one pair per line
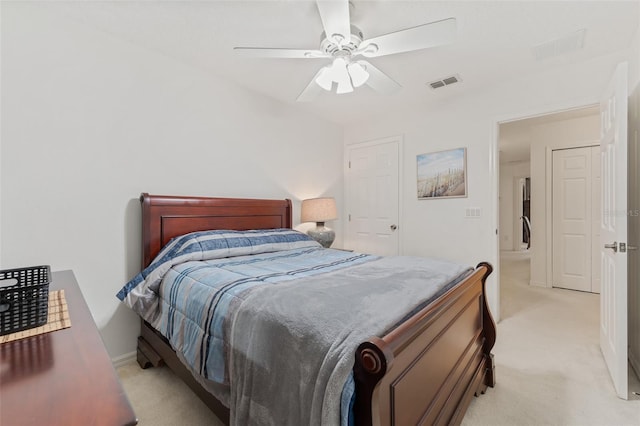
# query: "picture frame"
442, 174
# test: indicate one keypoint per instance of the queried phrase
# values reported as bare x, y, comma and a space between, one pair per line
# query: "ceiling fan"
345, 44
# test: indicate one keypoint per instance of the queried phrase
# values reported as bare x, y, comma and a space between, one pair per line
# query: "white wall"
509, 216
439, 227
584, 131
89, 122
1, 126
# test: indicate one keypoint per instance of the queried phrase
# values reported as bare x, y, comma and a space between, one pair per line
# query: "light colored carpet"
549, 367
159, 398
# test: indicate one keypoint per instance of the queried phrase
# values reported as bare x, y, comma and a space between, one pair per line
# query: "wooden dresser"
64, 377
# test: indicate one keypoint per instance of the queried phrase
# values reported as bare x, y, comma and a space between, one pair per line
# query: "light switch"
473, 212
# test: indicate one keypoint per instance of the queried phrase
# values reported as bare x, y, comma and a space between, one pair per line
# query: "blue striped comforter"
206, 275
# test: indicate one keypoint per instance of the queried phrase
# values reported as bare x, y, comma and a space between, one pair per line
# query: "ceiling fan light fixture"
325, 79
341, 76
344, 42
344, 87
358, 73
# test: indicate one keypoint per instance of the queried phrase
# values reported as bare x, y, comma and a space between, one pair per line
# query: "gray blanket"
294, 343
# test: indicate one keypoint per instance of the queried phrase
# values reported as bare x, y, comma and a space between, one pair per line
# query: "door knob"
393, 227
613, 246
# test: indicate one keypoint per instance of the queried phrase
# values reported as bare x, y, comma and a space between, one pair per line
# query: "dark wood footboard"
426, 370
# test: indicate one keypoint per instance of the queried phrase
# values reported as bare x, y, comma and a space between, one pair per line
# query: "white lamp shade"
341, 76
358, 73
324, 79
344, 72
344, 87
318, 210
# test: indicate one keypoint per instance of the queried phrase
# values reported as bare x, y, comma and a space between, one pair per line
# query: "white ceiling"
494, 42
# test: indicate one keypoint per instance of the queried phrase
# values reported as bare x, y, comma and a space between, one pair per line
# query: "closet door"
372, 187
572, 218
596, 207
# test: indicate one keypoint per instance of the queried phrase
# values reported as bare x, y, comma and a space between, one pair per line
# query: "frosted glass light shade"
325, 79
344, 87
358, 73
318, 210
344, 72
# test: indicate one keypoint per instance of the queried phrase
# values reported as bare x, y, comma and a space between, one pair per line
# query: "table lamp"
320, 210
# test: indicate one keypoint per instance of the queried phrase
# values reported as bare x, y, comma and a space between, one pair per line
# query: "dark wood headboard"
165, 217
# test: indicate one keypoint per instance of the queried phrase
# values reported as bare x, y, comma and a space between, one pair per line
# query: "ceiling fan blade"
421, 37
311, 91
379, 81
335, 19
272, 52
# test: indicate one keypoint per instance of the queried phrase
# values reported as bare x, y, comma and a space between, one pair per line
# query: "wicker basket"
24, 298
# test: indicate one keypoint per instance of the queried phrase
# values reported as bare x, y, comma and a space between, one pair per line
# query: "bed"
424, 370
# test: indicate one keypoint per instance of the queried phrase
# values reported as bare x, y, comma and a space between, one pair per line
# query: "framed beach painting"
442, 174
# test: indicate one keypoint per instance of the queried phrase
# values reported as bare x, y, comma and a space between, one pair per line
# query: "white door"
372, 197
613, 298
572, 218
596, 206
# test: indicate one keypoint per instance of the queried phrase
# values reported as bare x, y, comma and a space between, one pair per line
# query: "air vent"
445, 82
560, 46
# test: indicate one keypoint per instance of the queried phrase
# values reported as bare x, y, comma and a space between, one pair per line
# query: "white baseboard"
121, 360
537, 283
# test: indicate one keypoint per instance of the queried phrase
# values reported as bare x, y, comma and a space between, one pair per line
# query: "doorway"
609, 109
525, 154
372, 188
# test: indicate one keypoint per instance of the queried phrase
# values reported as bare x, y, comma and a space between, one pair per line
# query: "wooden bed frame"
425, 371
